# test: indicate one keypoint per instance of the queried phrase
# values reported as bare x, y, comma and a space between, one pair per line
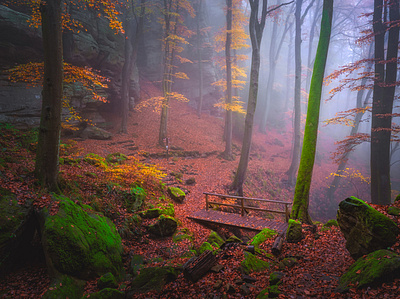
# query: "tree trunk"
291, 173
382, 103
228, 101
199, 59
256, 29
302, 190
47, 156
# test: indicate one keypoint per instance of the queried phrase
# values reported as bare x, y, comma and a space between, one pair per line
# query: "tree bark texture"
383, 98
228, 100
256, 29
47, 156
302, 189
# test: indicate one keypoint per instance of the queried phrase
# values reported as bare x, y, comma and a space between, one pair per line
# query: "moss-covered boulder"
233, 239
17, 226
176, 194
205, 246
151, 213
251, 263
213, 237
65, 286
137, 263
371, 270
262, 236
365, 229
294, 231
80, 243
107, 293
394, 211
153, 279
107, 281
135, 198
164, 227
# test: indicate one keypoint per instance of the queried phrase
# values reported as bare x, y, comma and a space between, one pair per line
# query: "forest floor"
321, 256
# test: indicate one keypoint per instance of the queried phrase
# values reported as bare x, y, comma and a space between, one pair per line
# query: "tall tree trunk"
228, 100
47, 156
199, 58
382, 103
291, 173
256, 29
302, 190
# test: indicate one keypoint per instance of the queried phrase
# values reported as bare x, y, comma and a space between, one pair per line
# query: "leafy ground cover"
105, 184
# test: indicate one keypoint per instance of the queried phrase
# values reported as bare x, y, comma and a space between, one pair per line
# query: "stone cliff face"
100, 48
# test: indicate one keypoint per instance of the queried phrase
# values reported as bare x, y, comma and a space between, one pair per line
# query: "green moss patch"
262, 236
82, 244
153, 279
176, 194
253, 264
65, 287
215, 238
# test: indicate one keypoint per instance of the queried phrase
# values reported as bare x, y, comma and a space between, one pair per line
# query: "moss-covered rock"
365, 229
153, 279
135, 198
167, 209
371, 270
262, 236
164, 227
233, 239
397, 198
276, 278
331, 222
294, 231
65, 286
287, 263
394, 211
205, 246
137, 263
215, 238
252, 264
151, 213
108, 293
176, 194
17, 226
107, 281
80, 243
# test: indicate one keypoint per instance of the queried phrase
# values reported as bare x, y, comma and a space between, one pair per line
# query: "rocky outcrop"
165, 226
294, 231
364, 228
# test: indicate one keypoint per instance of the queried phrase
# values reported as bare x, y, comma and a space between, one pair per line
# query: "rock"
371, 270
233, 239
215, 238
276, 278
364, 228
190, 181
80, 243
151, 213
248, 278
153, 279
176, 194
164, 227
294, 232
92, 132
330, 223
262, 236
287, 263
252, 264
397, 198
65, 286
205, 246
107, 293
218, 284
107, 281
135, 198
137, 263
394, 211
17, 227
230, 289
217, 268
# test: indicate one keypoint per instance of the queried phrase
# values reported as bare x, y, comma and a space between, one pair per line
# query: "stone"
276, 277
213, 237
364, 228
108, 293
217, 268
17, 227
251, 263
137, 263
394, 211
107, 281
371, 270
65, 286
164, 227
153, 279
151, 213
80, 243
92, 132
176, 194
294, 231
205, 246
218, 284
288, 262
233, 239
262, 236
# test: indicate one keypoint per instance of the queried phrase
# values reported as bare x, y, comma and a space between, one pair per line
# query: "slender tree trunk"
383, 97
291, 173
256, 29
199, 58
302, 190
228, 101
310, 44
47, 156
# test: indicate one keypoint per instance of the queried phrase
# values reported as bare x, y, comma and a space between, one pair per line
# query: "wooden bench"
243, 207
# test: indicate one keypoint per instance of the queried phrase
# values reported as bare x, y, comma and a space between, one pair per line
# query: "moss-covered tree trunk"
47, 156
302, 190
383, 98
256, 29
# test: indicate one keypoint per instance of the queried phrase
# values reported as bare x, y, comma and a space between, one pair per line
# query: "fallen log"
277, 247
195, 268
